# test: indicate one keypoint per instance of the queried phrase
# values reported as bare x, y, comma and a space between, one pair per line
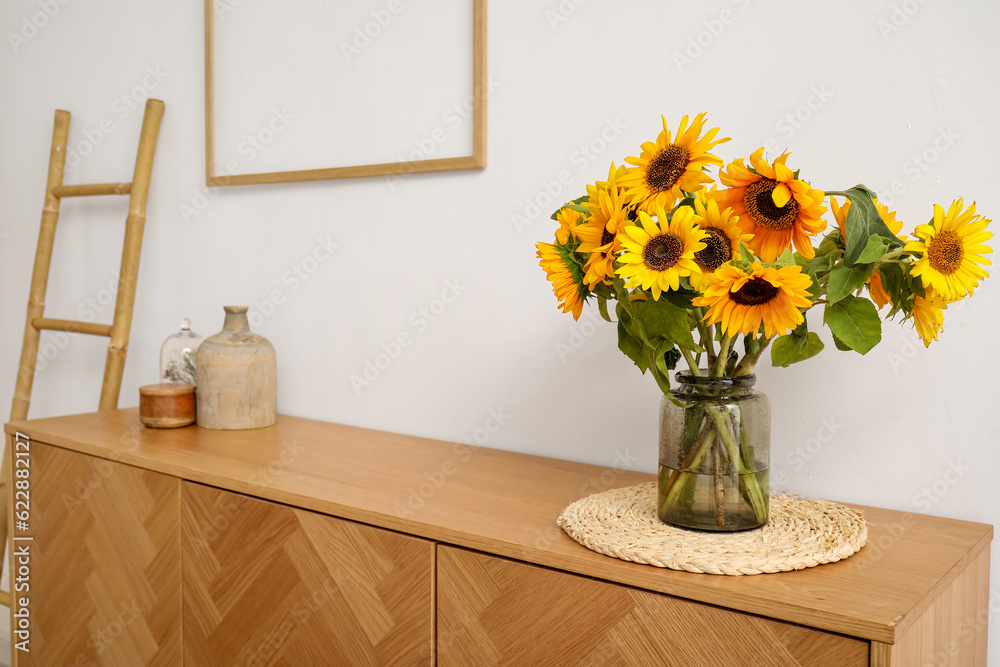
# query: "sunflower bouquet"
717, 270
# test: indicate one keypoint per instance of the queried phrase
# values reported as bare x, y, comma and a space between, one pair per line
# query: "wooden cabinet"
309, 543
266, 584
493, 611
104, 561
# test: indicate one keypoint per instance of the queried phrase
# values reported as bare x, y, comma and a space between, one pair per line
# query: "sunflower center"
761, 206
666, 168
606, 237
717, 250
662, 252
945, 252
756, 292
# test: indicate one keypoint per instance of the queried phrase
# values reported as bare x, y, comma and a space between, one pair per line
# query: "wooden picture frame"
476, 160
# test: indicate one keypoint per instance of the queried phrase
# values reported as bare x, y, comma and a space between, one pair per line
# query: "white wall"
887, 83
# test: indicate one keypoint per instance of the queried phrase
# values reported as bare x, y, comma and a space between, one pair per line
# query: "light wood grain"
475, 161
40, 271
128, 274
952, 630
104, 565
493, 611
506, 504
92, 190
266, 584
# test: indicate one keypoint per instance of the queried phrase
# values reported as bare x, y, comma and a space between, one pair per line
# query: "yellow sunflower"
951, 250
665, 167
561, 264
569, 220
658, 254
928, 315
599, 234
722, 243
875, 289
565, 274
773, 205
615, 175
740, 301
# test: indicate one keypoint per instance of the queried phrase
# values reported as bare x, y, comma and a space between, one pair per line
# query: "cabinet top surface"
507, 504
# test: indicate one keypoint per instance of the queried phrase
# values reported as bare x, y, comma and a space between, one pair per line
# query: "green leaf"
786, 258
854, 321
746, 256
873, 251
792, 348
681, 298
844, 281
863, 220
602, 306
914, 285
841, 345
891, 275
631, 346
666, 357
575, 205
817, 268
662, 319
830, 243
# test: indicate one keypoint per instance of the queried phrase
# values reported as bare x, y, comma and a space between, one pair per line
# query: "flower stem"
745, 367
692, 364
705, 336
722, 360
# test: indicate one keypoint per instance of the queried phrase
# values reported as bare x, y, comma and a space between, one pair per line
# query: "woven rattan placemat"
800, 533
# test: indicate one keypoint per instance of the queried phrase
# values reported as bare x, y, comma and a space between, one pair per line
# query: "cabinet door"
104, 579
266, 584
492, 611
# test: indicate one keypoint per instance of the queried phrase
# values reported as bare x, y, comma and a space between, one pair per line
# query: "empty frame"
298, 91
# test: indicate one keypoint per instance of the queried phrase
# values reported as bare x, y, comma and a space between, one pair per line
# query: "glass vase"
714, 454
179, 355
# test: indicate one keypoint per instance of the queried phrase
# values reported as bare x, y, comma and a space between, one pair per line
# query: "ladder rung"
91, 328
91, 190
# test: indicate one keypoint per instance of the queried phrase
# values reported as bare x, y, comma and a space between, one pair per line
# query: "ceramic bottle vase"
237, 377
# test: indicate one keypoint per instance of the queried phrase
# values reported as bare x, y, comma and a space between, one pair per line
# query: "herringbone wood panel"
266, 584
493, 611
105, 568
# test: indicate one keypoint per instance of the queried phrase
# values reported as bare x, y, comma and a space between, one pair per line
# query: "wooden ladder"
118, 330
